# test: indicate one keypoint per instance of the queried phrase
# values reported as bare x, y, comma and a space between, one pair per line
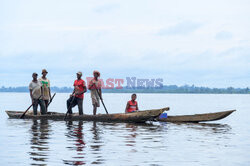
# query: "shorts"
96, 102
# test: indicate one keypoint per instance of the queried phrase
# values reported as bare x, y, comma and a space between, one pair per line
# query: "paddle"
28, 108
102, 101
70, 105
51, 98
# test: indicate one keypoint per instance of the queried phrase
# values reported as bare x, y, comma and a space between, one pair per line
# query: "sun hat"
95, 71
44, 71
80, 73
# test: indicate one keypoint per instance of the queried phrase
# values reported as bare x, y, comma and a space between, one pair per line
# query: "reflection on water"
40, 132
131, 137
97, 144
89, 143
212, 127
75, 134
41, 142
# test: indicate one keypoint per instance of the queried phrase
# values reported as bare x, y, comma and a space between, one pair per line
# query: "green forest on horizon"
163, 89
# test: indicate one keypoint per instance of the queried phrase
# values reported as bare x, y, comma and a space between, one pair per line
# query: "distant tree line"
26, 89
164, 89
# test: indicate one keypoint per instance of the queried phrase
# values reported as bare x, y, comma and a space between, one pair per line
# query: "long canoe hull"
197, 117
137, 117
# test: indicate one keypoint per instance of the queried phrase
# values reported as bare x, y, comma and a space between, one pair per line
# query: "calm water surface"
46, 142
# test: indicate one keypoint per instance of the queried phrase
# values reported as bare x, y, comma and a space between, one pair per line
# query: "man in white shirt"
36, 95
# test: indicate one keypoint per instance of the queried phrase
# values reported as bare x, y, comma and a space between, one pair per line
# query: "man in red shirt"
78, 94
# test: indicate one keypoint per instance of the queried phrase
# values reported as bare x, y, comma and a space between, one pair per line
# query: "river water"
46, 142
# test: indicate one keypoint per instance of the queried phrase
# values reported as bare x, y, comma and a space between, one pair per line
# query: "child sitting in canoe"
132, 105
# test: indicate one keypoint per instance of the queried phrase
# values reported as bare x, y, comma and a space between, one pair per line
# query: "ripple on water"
27, 142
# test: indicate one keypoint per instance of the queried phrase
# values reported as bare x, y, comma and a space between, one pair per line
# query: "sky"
201, 43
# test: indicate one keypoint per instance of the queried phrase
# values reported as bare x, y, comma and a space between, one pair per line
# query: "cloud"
106, 8
224, 35
210, 68
207, 68
182, 28
181, 44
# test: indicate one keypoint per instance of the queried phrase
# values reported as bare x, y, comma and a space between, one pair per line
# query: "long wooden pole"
51, 99
102, 101
70, 105
22, 116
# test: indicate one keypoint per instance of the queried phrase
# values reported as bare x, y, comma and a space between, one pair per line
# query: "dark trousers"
46, 102
42, 106
72, 102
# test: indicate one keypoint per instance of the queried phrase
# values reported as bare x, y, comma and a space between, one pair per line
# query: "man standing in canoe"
45, 88
132, 105
36, 95
78, 94
96, 91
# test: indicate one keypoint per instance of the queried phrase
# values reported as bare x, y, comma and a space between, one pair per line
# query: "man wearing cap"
78, 94
36, 95
45, 88
95, 88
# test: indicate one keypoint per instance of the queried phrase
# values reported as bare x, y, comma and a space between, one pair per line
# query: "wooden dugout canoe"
140, 116
197, 117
